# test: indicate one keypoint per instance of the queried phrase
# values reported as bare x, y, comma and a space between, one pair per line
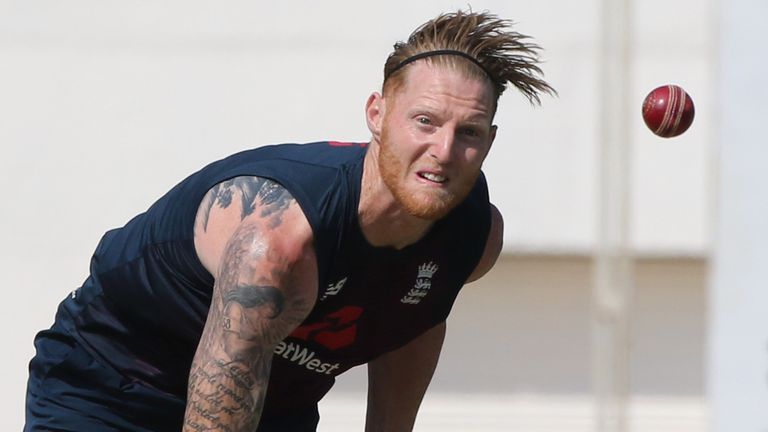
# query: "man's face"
435, 133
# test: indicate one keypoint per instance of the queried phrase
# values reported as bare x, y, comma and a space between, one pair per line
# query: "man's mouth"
435, 178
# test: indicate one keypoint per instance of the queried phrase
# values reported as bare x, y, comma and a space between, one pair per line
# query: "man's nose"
444, 145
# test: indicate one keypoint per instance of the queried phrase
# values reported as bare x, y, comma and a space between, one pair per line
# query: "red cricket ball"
668, 111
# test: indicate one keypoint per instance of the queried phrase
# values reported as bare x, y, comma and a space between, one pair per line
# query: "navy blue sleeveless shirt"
143, 307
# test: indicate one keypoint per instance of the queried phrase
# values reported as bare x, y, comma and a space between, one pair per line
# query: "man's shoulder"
478, 200
309, 167
321, 153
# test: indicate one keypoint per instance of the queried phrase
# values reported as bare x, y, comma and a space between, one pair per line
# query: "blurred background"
106, 105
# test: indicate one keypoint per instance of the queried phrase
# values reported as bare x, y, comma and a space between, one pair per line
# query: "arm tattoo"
252, 296
227, 388
230, 372
255, 192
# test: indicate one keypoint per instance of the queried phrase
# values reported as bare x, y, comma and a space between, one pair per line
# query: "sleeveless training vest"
143, 307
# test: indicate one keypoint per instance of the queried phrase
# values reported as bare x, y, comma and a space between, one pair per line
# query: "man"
234, 301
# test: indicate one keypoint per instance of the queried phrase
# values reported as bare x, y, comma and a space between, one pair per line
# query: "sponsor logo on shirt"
336, 330
423, 284
305, 357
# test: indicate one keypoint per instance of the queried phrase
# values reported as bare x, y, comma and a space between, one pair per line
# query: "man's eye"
423, 120
470, 132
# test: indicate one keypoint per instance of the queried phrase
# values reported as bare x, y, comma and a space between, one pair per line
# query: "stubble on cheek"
417, 201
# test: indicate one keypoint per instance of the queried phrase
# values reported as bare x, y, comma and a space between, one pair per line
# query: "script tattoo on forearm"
227, 389
255, 192
229, 375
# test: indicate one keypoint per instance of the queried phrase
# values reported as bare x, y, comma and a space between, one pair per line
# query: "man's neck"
383, 220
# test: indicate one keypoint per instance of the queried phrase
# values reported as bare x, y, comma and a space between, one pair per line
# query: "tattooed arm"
251, 234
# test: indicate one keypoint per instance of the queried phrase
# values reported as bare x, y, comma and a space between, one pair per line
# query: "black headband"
441, 52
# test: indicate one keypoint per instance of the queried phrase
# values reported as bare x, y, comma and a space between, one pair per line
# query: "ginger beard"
422, 202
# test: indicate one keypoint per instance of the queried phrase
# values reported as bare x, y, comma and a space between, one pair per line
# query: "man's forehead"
422, 79
426, 69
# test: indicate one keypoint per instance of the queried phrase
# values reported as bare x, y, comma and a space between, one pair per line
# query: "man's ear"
492, 135
374, 114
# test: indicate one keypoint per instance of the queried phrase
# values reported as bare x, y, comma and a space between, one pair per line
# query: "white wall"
738, 349
105, 105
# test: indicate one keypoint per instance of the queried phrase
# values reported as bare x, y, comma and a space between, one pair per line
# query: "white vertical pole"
613, 269
738, 324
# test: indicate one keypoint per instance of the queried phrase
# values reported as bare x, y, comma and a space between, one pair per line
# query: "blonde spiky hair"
493, 50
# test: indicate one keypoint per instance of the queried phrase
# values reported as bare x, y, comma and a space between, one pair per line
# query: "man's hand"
253, 236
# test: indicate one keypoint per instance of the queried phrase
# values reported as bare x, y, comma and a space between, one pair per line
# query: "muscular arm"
398, 380
492, 246
265, 286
